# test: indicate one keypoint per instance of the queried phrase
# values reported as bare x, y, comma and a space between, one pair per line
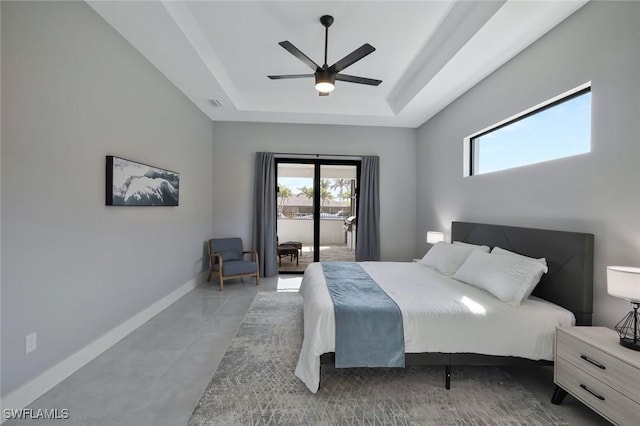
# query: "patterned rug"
255, 385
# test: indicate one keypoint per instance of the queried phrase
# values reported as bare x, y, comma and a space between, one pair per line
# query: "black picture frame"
130, 183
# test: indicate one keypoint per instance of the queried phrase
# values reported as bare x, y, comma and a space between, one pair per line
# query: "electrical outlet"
31, 342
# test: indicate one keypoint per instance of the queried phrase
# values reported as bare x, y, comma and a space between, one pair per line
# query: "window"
558, 128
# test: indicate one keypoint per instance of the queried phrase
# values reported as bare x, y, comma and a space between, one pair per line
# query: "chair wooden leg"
258, 279
209, 276
221, 280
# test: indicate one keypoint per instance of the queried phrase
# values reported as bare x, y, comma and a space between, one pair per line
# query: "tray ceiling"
428, 53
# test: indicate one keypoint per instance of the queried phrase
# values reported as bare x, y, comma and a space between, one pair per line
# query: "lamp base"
629, 329
628, 342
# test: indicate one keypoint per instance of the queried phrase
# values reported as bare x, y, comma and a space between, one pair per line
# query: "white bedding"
439, 314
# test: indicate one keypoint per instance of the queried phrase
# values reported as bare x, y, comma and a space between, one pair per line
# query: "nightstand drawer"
600, 397
602, 366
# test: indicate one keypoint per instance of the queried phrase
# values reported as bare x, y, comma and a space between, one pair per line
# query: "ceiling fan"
326, 75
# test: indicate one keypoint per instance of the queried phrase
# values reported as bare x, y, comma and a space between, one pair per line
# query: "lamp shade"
434, 237
624, 282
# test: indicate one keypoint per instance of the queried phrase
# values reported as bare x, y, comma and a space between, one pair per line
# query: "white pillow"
446, 258
485, 249
498, 250
508, 278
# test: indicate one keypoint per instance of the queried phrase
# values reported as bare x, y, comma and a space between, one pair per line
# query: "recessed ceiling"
428, 53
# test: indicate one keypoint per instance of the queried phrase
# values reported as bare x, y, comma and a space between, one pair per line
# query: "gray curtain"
264, 213
368, 225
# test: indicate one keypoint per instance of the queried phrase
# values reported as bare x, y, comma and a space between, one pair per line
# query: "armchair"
227, 260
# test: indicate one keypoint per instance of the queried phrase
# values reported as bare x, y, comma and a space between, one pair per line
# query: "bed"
446, 322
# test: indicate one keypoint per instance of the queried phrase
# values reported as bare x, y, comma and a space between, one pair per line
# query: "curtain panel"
264, 213
368, 227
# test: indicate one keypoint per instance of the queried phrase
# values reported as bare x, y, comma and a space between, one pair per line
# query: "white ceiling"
428, 53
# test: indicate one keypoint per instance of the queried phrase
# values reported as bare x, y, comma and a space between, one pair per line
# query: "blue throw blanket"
369, 331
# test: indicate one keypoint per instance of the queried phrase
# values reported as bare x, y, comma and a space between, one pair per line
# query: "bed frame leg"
447, 376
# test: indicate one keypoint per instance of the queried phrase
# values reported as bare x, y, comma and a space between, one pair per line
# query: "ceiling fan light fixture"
325, 87
325, 81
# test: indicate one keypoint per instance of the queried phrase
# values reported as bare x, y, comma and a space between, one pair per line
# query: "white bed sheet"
439, 314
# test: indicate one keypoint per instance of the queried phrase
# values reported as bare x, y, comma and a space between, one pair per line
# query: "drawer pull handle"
590, 361
600, 397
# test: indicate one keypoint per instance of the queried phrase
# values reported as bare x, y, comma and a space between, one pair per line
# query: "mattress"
439, 314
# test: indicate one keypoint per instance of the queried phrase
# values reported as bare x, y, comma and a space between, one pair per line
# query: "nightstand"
591, 365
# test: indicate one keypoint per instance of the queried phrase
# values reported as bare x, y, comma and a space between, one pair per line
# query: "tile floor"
156, 375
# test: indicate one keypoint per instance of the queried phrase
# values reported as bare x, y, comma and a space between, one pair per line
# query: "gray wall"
597, 192
235, 145
74, 91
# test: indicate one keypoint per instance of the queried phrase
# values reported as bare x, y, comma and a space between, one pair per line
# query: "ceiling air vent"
216, 103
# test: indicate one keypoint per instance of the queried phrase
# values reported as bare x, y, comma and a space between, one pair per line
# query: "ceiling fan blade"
353, 57
298, 54
282, 77
359, 80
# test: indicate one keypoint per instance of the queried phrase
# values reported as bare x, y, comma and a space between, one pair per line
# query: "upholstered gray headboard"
569, 282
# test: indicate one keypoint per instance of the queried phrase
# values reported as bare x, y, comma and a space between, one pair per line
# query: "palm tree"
308, 192
284, 193
325, 192
341, 185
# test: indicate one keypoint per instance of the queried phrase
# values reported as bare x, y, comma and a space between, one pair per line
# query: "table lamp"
434, 237
624, 282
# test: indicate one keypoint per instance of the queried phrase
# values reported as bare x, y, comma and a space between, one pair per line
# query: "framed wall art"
130, 183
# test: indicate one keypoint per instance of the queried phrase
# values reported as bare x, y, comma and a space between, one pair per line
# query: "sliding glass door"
317, 205
338, 185
295, 224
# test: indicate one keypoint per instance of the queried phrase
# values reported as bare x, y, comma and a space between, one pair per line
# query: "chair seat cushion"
237, 267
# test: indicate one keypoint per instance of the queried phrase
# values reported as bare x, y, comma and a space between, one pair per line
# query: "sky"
294, 183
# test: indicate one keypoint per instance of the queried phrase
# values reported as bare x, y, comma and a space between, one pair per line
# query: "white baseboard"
36, 387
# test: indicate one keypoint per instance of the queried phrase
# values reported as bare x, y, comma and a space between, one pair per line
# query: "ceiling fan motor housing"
324, 78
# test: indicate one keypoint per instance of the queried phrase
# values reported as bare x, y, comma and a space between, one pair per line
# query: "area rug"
255, 385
